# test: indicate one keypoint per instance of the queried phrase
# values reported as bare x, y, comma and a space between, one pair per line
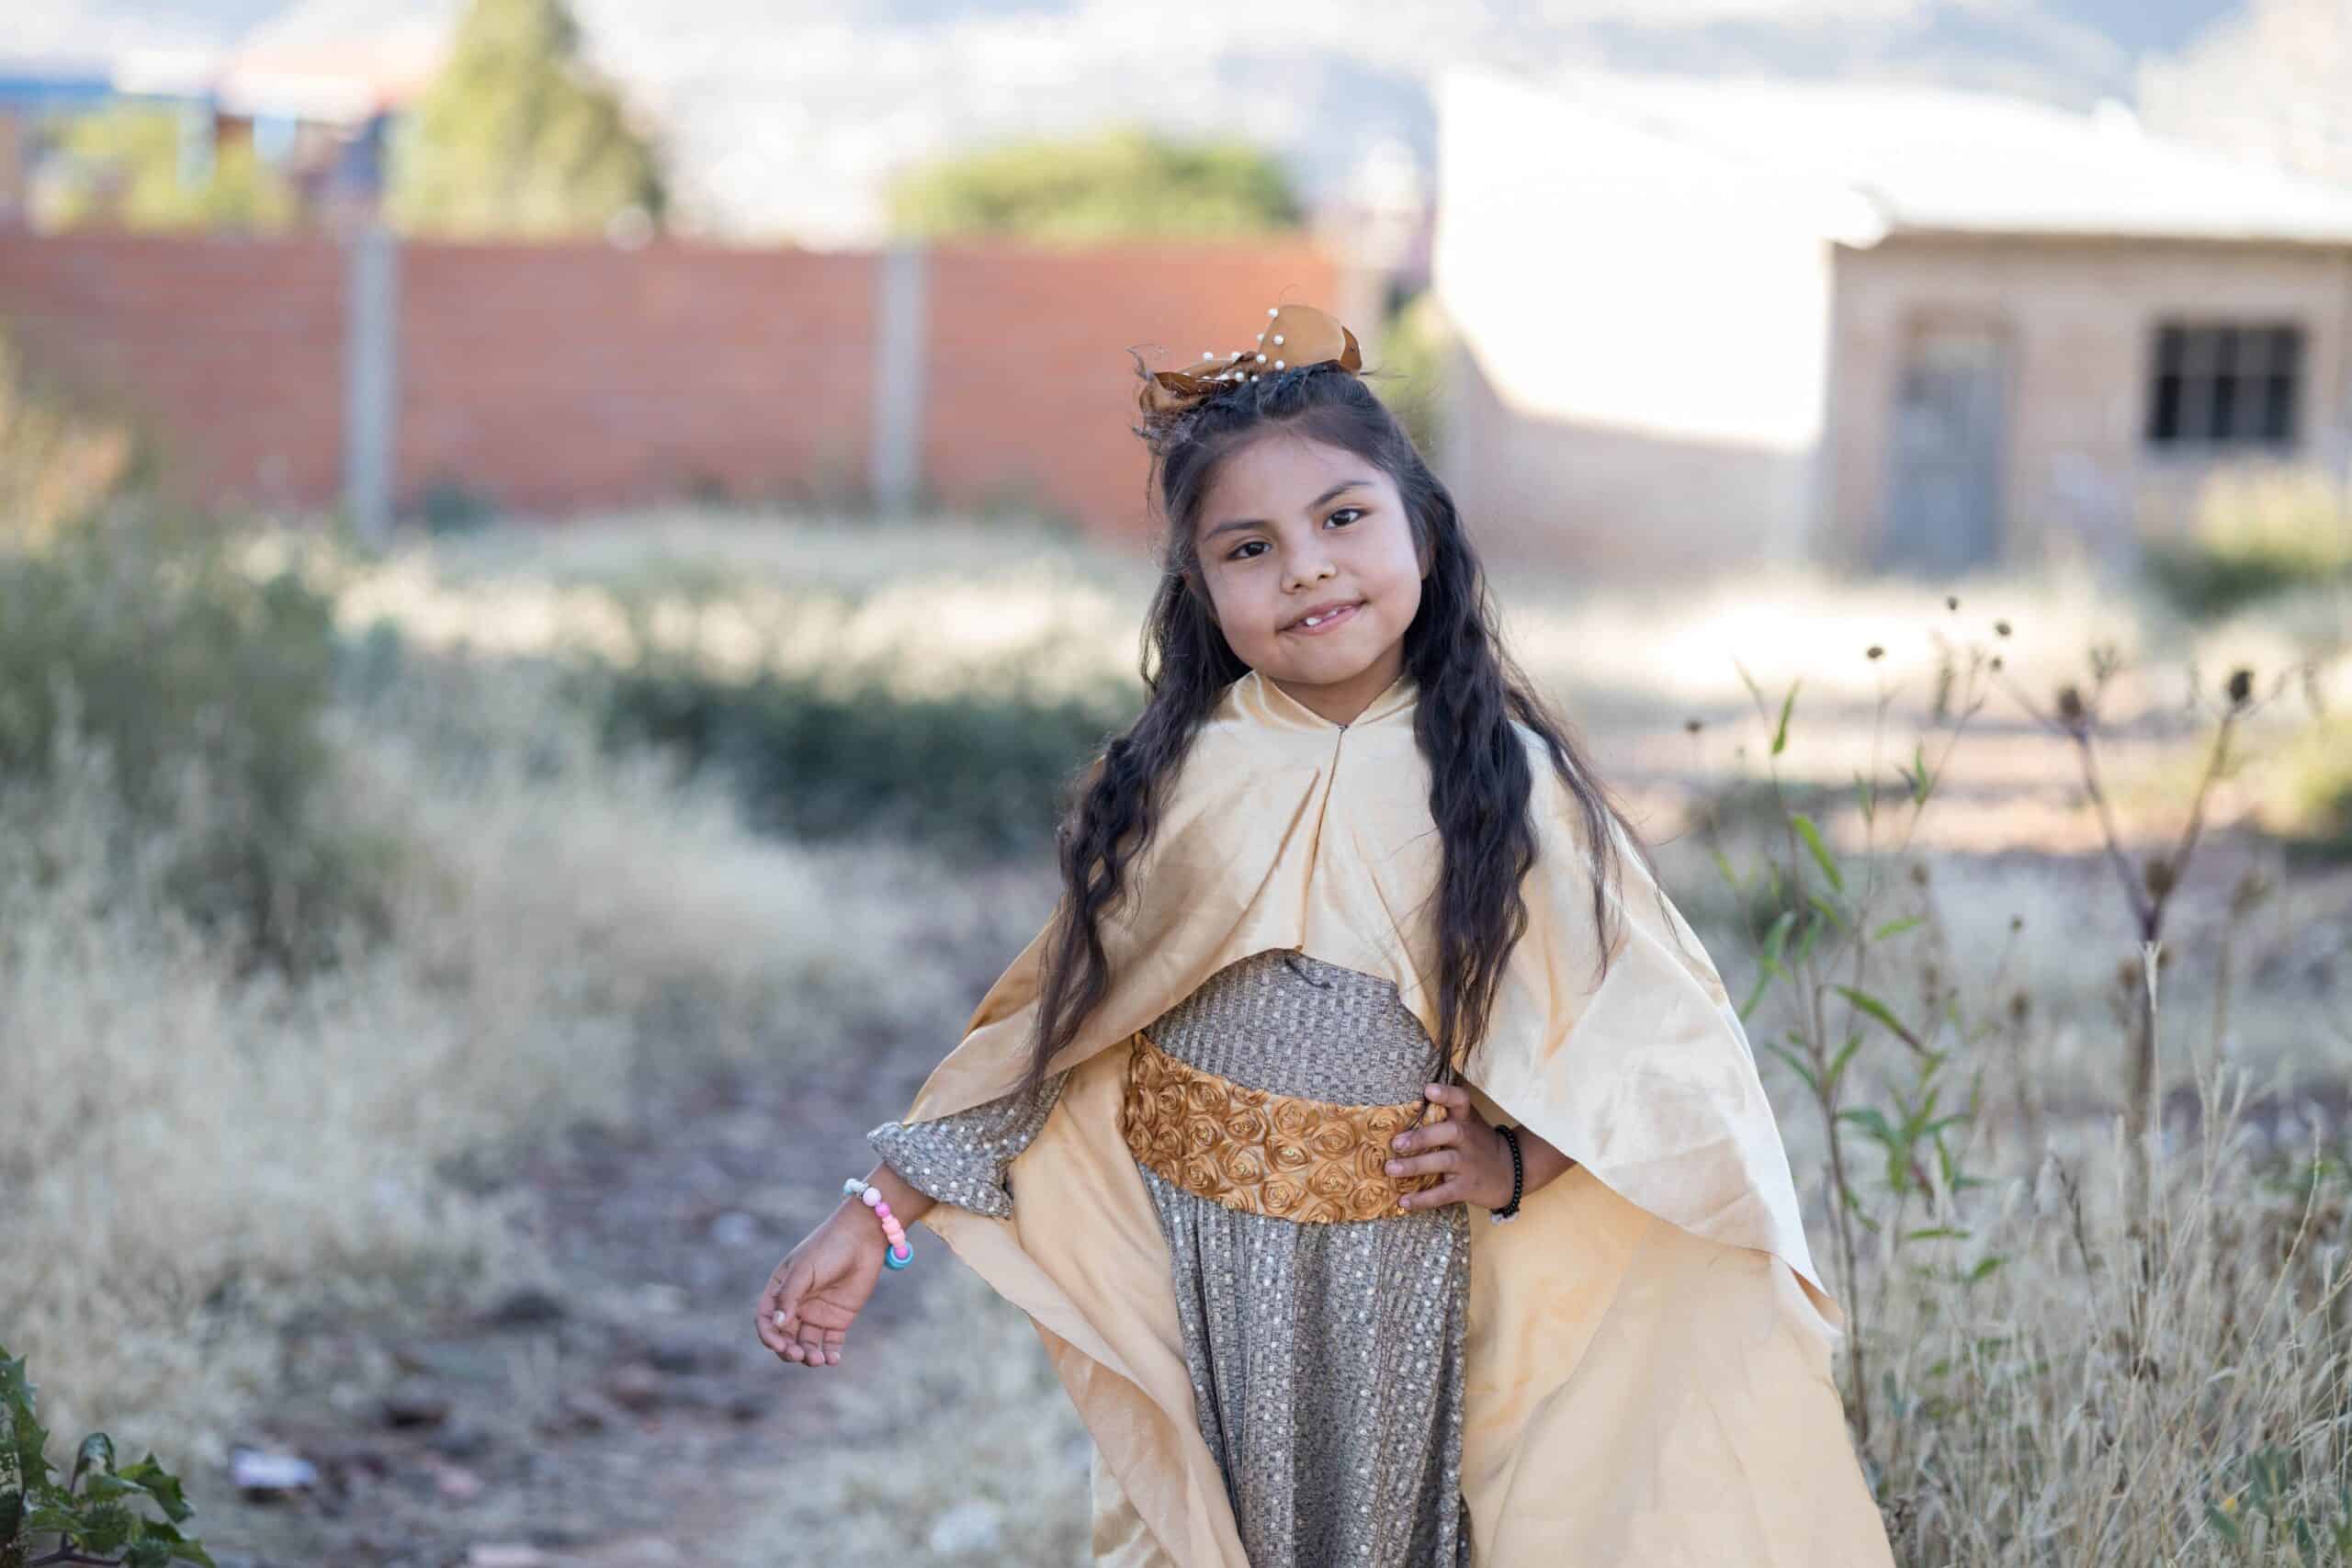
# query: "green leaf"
162, 1486
1781, 734
1881, 1011
1920, 774
28, 1439
172, 1545
1872, 1122
1844, 1055
1894, 928
1828, 912
96, 1454
1796, 1063
45, 1518
1806, 939
105, 1526
1812, 837
1985, 1266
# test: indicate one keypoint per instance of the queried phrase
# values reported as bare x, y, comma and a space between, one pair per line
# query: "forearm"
1540, 1163
908, 1204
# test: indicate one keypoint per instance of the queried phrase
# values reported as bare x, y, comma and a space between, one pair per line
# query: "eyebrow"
1226, 527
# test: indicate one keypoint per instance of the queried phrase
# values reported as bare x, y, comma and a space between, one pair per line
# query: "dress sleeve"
961, 1158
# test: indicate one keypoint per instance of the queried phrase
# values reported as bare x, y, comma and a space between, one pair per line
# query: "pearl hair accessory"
1307, 336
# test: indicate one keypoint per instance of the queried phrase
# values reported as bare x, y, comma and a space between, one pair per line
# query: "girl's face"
1291, 528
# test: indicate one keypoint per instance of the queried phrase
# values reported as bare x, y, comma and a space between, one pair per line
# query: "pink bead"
883, 1210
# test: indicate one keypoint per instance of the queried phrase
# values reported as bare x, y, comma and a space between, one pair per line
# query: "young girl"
1353, 952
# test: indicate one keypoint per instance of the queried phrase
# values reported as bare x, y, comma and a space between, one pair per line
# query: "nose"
1307, 564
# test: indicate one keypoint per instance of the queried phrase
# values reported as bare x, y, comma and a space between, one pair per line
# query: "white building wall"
1643, 330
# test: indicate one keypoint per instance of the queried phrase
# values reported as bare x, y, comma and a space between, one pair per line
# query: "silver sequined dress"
1327, 1359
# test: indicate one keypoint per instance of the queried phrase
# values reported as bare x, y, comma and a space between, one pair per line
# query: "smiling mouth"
1325, 621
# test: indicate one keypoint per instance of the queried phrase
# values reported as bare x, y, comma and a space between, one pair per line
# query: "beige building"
1706, 324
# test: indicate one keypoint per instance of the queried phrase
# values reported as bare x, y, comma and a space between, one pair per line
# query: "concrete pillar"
901, 319
370, 380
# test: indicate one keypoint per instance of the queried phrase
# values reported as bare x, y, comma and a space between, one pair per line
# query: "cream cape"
1649, 1342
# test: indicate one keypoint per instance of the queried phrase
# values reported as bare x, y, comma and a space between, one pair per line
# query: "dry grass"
194, 1155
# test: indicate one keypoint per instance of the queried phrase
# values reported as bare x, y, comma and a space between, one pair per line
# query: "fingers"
776, 1316
1450, 1191
781, 1327
1420, 1165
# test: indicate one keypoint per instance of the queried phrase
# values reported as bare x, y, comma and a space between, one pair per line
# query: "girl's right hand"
819, 1286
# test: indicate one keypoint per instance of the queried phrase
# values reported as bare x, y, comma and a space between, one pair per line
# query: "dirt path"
622, 1416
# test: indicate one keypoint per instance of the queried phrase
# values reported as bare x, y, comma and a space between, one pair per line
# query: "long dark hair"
1470, 691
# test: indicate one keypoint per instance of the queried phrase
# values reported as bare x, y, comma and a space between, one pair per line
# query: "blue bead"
891, 1259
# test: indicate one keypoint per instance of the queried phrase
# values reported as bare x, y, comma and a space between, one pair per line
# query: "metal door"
1943, 502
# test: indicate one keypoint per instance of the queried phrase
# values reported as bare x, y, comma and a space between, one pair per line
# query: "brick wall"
230, 350
1032, 390
558, 378
562, 378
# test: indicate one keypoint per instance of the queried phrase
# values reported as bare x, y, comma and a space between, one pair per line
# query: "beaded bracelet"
1509, 1211
898, 1254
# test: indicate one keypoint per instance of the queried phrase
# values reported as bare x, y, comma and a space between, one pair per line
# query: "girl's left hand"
1466, 1146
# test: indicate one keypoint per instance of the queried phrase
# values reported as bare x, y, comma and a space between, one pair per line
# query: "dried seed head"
1874, 651
2159, 875
1692, 725
2019, 1005
1996, 662
2241, 687
2070, 705
2000, 628
1951, 600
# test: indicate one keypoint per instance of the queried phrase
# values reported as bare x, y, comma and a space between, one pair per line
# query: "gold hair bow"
1297, 335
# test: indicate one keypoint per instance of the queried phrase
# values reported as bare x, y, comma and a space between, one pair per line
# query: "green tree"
517, 137
1123, 183
123, 166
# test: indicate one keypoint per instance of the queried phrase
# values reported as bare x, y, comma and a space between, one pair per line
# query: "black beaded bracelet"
1518, 1175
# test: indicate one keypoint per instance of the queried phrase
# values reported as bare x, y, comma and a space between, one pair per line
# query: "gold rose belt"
1308, 1160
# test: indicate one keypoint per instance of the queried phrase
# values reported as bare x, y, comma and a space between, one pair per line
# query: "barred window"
2225, 385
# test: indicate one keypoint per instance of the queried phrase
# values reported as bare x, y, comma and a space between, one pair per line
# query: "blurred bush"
1414, 346
518, 136
2308, 802
968, 774
131, 164
2257, 534
61, 458
201, 687
1123, 183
